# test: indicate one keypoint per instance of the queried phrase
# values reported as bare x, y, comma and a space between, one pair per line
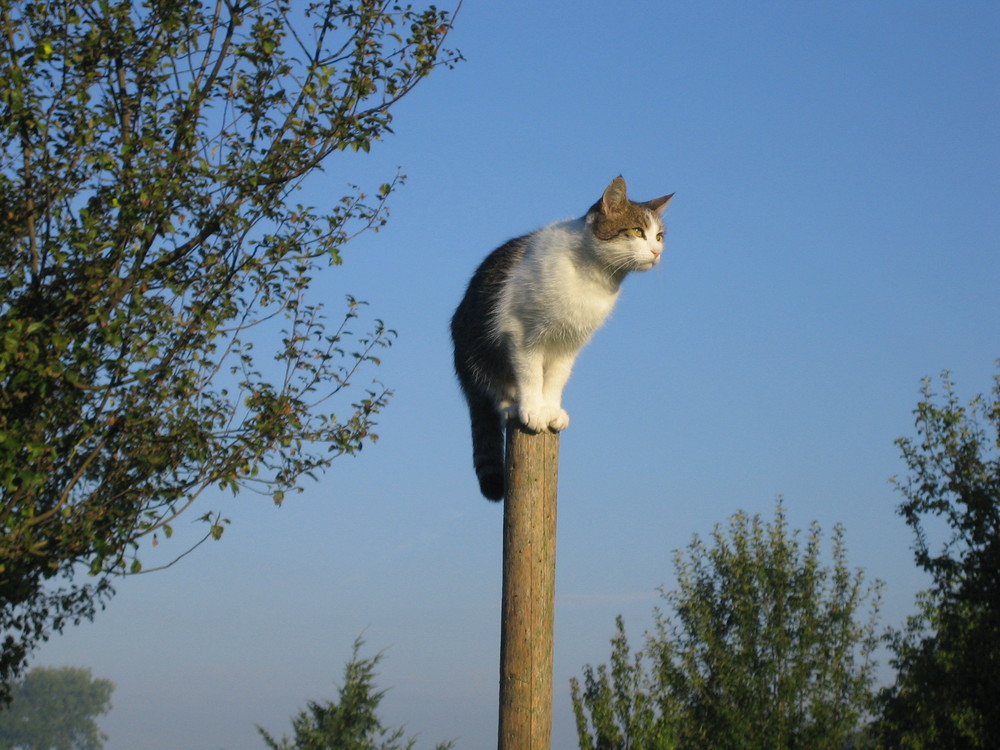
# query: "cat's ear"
658, 204
614, 199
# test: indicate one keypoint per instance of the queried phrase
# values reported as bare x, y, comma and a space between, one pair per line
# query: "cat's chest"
578, 301
556, 301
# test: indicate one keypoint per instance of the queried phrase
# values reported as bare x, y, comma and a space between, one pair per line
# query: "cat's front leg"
557, 370
533, 411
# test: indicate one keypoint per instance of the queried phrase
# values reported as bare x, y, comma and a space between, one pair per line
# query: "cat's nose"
656, 251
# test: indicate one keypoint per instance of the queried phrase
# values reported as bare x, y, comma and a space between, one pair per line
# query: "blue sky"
834, 238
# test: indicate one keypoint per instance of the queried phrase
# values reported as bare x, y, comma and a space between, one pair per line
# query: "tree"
147, 227
56, 709
350, 723
948, 656
620, 705
763, 650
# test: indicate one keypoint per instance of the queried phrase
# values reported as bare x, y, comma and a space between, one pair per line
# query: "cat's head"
628, 236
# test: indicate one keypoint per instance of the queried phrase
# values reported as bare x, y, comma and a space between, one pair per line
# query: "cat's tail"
487, 447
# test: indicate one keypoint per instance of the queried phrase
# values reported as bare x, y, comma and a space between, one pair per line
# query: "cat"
531, 307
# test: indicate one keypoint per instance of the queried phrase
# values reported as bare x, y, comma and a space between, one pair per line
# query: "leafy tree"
948, 657
150, 153
350, 723
621, 703
56, 709
763, 650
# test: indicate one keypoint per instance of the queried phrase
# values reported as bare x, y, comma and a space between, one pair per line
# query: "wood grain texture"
529, 565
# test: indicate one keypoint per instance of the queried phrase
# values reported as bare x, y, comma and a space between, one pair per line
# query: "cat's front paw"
533, 419
559, 420
543, 418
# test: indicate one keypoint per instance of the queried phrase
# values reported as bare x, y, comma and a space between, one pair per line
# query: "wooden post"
527, 611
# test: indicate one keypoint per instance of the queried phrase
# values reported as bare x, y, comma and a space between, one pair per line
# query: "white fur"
560, 292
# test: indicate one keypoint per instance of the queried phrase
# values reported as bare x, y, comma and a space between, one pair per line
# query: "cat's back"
487, 284
495, 269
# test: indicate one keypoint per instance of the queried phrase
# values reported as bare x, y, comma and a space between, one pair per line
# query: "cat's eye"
638, 232
659, 236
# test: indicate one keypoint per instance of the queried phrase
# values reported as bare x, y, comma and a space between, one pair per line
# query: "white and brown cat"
530, 308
